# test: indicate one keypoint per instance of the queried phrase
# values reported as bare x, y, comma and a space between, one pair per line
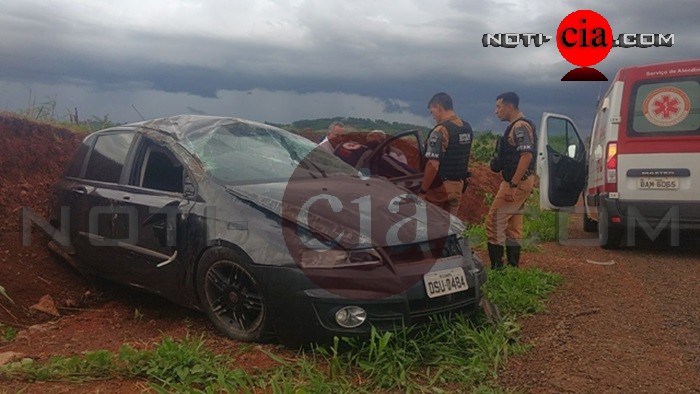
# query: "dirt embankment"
32, 156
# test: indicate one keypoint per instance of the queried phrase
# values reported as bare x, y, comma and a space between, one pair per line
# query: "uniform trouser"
504, 222
447, 196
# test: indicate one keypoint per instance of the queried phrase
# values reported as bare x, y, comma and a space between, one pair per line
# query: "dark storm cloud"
401, 62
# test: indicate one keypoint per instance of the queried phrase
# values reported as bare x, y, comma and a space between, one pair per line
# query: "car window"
242, 153
398, 157
76, 165
108, 157
158, 170
666, 107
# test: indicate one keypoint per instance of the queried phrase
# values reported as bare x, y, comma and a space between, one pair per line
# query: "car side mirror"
571, 151
189, 189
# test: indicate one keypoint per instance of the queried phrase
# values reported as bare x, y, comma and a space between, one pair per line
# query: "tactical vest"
509, 155
453, 165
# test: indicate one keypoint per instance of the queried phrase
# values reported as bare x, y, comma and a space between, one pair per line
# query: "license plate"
665, 183
443, 282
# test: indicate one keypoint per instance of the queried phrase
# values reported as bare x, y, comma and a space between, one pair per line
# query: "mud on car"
267, 235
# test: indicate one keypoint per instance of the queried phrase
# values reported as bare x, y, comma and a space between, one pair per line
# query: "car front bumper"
301, 312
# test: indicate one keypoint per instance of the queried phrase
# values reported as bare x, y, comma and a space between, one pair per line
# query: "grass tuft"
519, 292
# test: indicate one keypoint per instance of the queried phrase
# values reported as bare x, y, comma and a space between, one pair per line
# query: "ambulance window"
668, 107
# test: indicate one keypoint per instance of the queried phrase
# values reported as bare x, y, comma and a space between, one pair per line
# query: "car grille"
423, 308
444, 247
421, 311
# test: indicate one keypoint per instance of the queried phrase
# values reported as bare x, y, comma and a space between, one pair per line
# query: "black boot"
496, 256
513, 253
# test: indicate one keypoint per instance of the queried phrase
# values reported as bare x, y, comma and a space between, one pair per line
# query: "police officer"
447, 150
516, 162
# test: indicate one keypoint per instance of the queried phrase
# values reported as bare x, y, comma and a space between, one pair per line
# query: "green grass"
7, 333
456, 355
483, 147
540, 226
476, 235
519, 292
45, 112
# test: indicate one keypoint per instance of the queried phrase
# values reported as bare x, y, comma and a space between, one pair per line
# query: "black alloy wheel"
231, 296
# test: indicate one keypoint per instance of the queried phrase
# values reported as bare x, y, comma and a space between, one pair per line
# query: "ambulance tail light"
611, 167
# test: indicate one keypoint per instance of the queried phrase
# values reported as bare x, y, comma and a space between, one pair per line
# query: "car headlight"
339, 258
474, 260
320, 253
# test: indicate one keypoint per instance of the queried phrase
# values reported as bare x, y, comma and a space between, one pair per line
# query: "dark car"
267, 235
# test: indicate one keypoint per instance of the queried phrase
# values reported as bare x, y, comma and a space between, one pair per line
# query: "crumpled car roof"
179, 126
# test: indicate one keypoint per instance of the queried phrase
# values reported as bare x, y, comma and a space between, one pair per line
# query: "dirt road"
631, 326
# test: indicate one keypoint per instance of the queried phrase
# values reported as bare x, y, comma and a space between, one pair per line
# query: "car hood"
367, 212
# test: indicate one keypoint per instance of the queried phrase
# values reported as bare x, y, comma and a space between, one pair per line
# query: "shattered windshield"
242, 153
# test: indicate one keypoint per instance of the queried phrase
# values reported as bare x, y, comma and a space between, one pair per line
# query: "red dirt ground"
32, 156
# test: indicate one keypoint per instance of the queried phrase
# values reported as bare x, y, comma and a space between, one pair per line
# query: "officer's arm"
523, 164
433, 153
431, 171
526, 148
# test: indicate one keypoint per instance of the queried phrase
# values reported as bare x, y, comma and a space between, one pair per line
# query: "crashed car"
254, 226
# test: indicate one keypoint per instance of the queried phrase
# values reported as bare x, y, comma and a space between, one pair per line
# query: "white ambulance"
642, 169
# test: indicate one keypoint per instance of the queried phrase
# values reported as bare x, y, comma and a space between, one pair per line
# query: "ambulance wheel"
609, 237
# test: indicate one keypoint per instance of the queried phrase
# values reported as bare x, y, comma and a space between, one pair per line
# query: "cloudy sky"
286, 60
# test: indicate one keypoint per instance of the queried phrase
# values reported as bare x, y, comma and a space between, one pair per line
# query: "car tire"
231, 295
589, 225
609, 237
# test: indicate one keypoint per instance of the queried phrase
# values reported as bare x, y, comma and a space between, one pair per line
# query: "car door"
561, 162
95, 199
155, 194
399, 159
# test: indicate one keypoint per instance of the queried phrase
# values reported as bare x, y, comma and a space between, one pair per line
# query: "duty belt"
444, 178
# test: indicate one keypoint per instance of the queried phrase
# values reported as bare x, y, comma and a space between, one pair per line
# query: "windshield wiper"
294, 155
